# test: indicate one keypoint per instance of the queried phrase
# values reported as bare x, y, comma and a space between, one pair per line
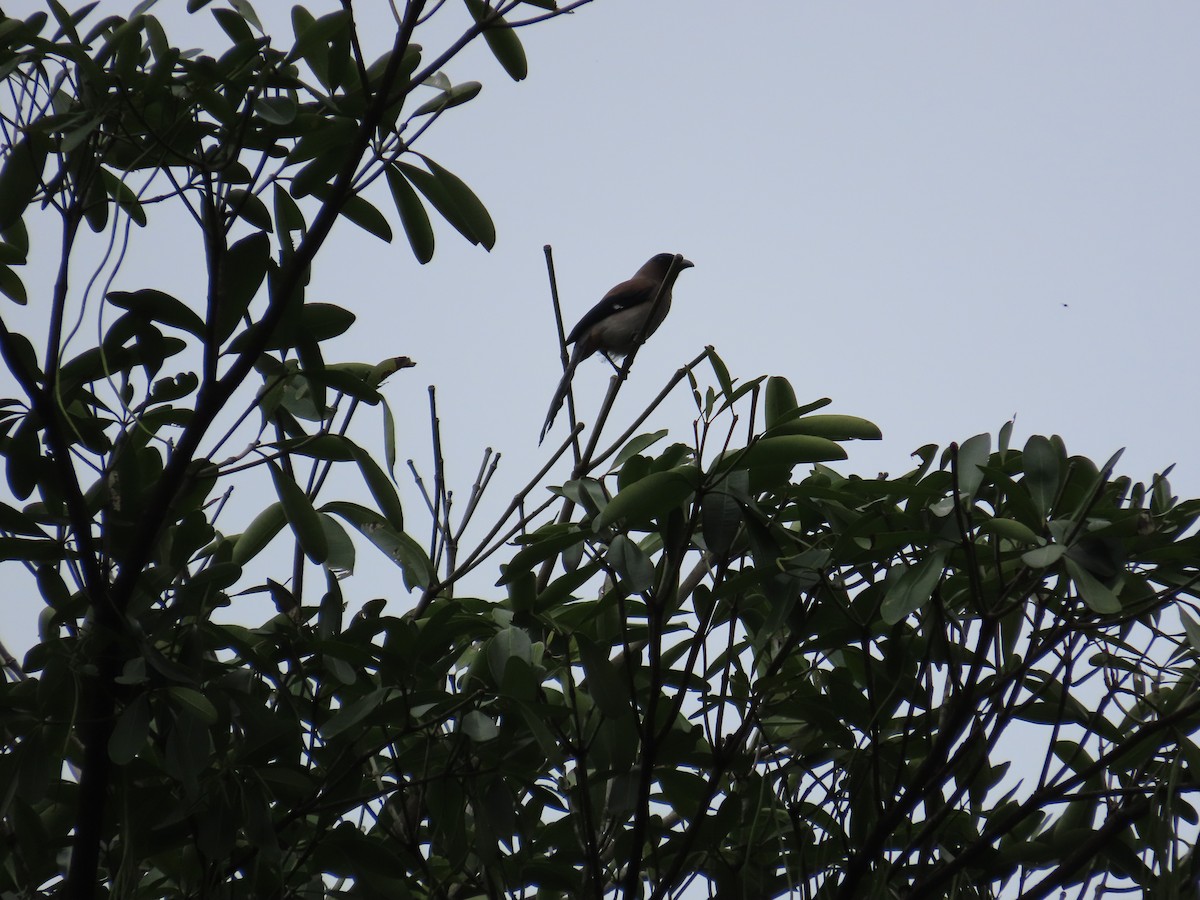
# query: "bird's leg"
615, 363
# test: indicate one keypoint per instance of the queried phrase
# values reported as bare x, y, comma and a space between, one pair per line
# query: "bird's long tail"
560, 393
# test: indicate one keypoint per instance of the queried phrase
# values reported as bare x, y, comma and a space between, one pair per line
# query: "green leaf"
1010, 529
290, 218
130, 733
389, 439
341, 557
1005, 436
313, 39
23, 457
540, 547
535, 720
563, 588
11, 286
1098, 597
636, 445
972, 456
11, 254
836, 428
787, 450
779, 402
604, 682
21, 176
164, 390
1041, 557
234, 25
1073, 755
249, 207
501, 40
1042, 462
8, 26
247, 12
340, 669
260, 532
124, 195
313, 322
412, 215
380, 486
278, 110
721, 512
913, 588
320, 173
349, 716
30, 550
396, 545
454, 200
357, 380
300, 515
456, 95
195, 703
655, 495
631, 563
242, 272
511, 643
479, 727
15, 521
95, 205
359, 211
155, 306
1191, 628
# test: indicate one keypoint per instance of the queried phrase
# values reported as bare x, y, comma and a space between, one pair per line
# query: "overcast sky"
940, 215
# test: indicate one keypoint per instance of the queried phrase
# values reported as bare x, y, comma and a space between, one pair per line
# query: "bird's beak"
686, 264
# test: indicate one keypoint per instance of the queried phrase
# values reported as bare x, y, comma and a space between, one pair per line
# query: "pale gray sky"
887, 203
938, 214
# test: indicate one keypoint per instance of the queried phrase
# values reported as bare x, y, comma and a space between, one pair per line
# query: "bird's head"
658, 266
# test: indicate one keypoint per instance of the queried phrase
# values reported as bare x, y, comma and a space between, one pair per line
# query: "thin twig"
679, 375
482, 479
482, 552
562, 345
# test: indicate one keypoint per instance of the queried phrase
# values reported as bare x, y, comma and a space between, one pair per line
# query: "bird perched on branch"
623, 319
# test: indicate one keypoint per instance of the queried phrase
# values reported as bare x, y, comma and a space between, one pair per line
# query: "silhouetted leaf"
249, 207
242, 272
130, 733
631, 563
1041, 462
972, 456
604, 681
260, 532
412, 215
380, 486
913, 588
155, 306
455, 201
785, 451
501, 40
654, 495
1093, 592
11, 286
21, 176
836, 428
453, 96
359, 211
397, 546
300, 515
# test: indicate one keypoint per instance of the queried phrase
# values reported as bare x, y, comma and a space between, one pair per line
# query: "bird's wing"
634, 292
